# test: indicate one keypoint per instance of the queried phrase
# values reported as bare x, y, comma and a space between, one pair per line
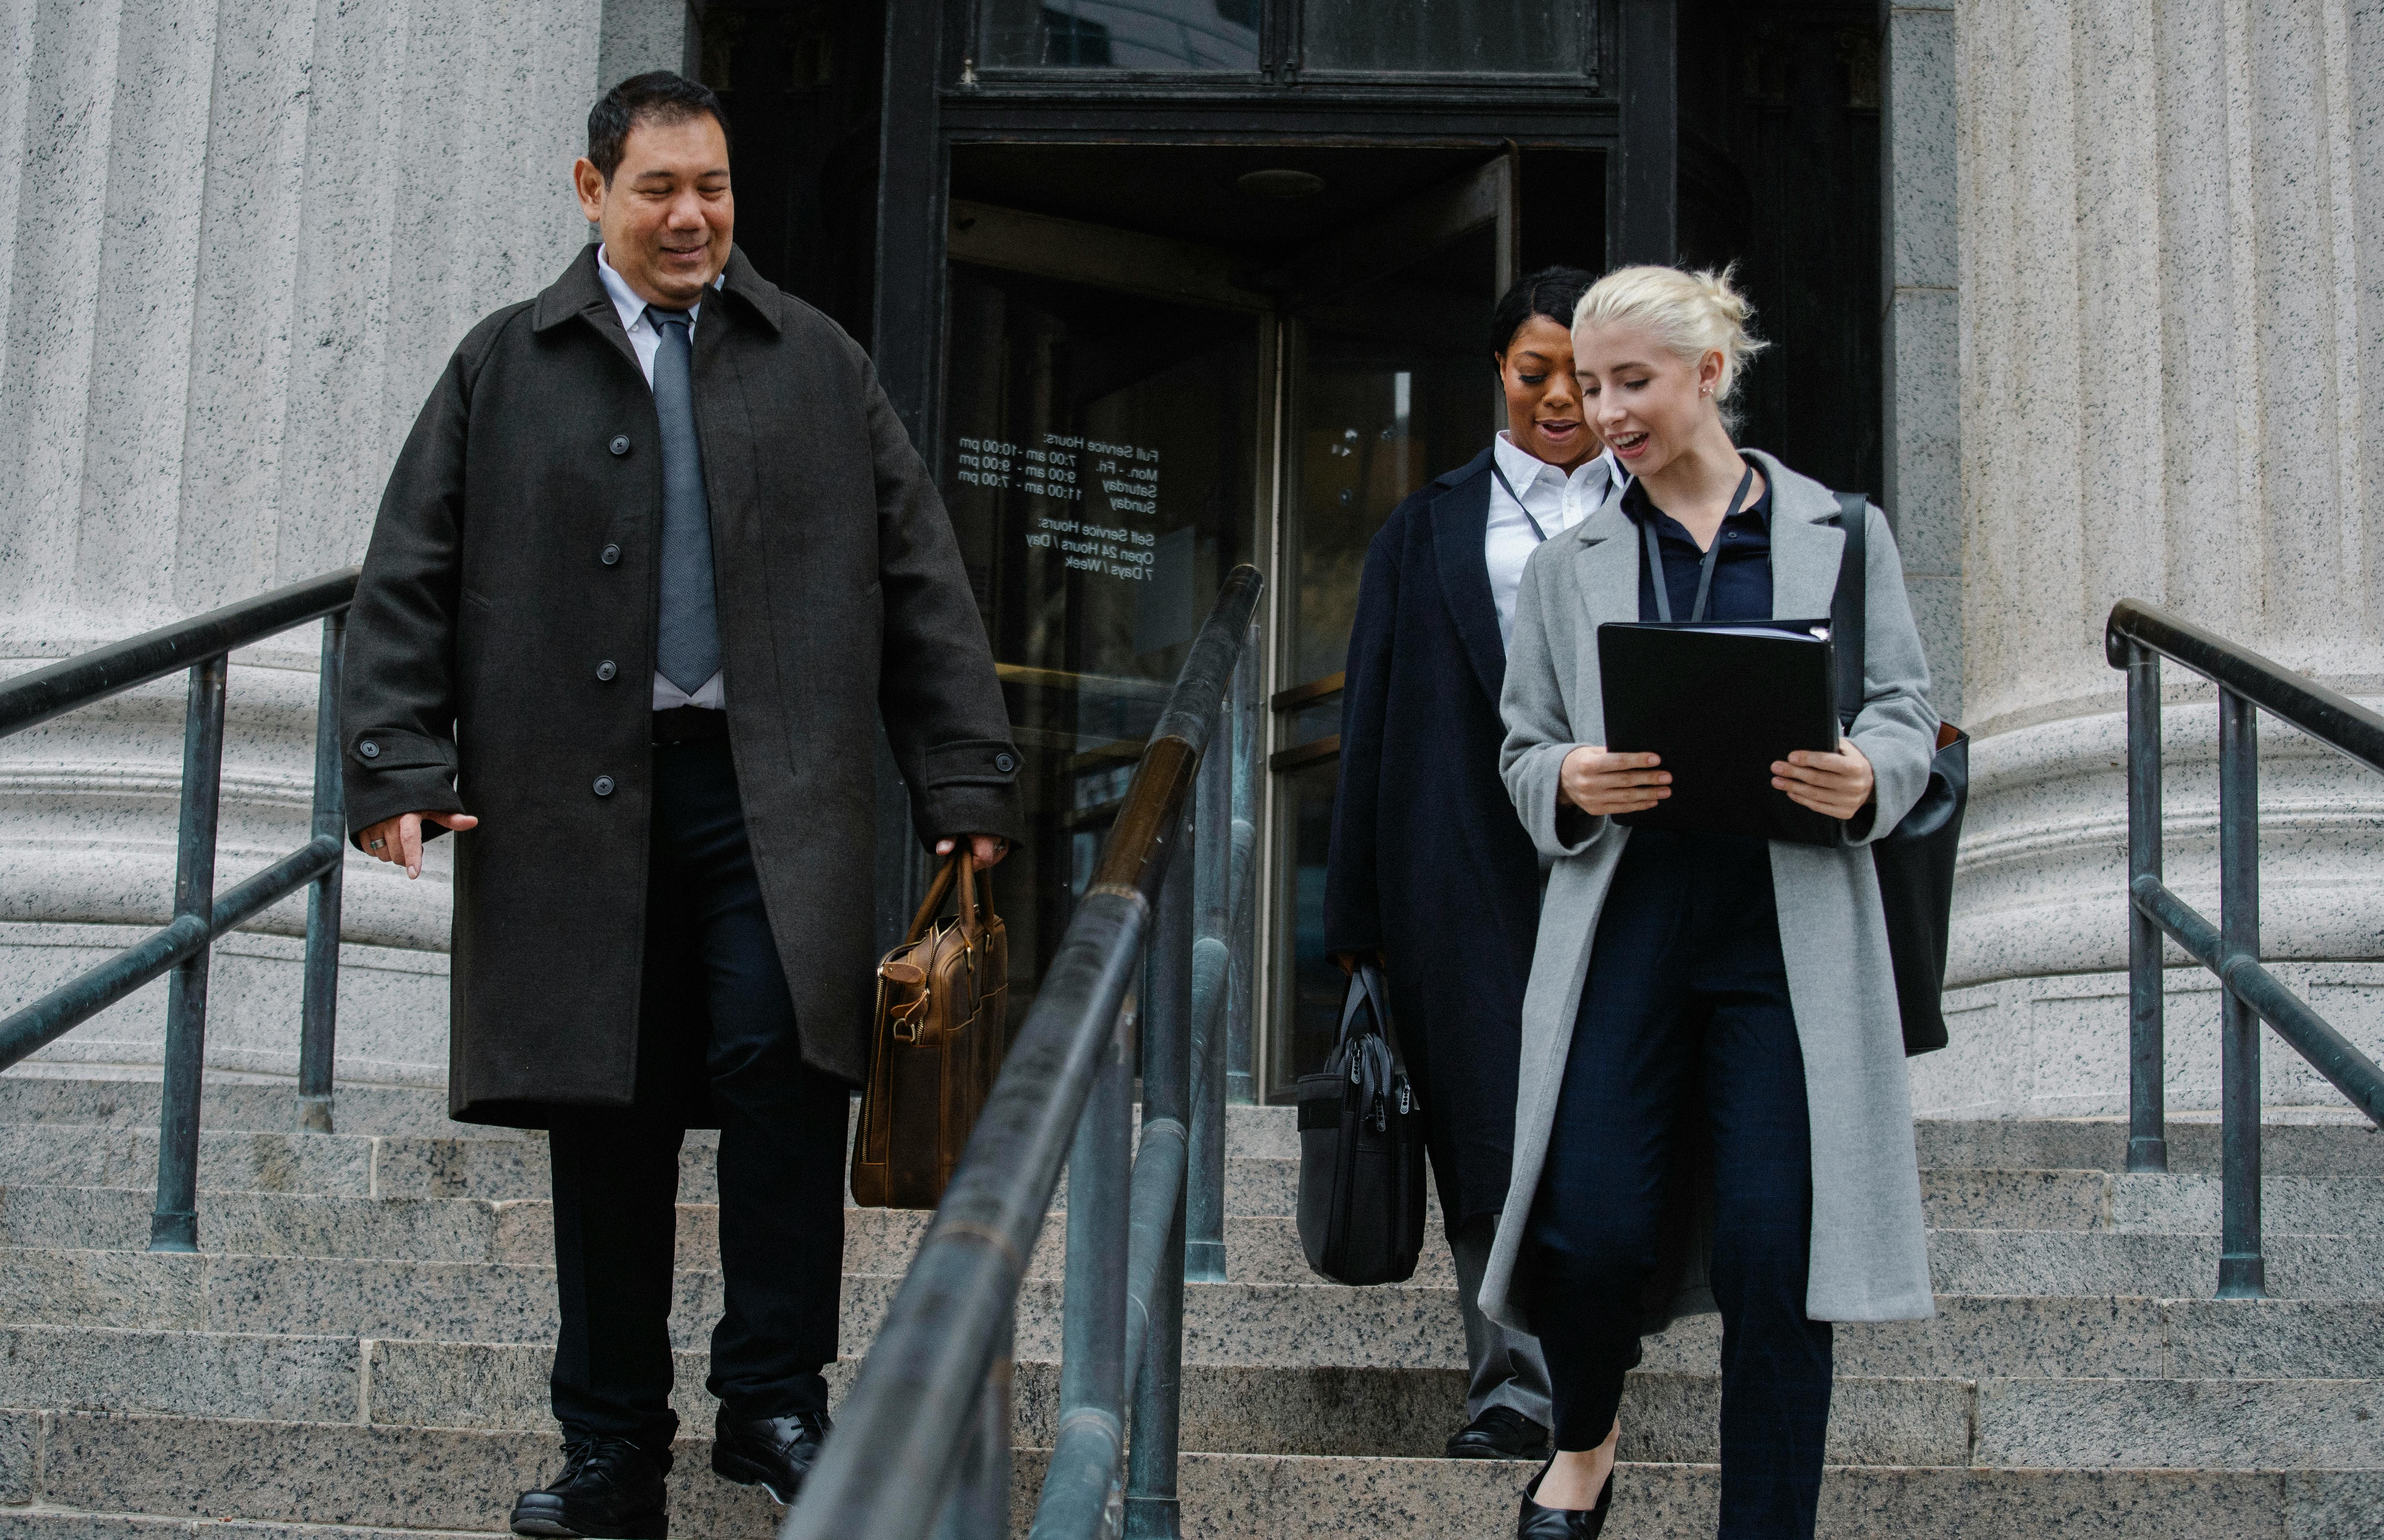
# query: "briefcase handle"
962, 862
1366, 987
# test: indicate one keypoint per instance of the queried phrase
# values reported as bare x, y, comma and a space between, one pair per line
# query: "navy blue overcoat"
1429, 863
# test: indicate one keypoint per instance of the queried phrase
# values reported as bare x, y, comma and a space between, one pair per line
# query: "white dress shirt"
647, 339
1556, 500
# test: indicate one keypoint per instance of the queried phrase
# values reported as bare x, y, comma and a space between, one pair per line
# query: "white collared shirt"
1558, 500
647, 339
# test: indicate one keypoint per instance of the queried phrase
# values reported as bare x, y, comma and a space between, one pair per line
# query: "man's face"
667, 215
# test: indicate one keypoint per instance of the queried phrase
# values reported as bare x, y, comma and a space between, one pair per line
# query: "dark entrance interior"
1054, 243
1163, 359
801, 81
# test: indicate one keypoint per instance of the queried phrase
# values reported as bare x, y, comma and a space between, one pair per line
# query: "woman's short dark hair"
1551, 291
658, 97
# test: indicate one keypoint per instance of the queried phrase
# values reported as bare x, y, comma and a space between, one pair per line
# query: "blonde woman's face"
1648, 404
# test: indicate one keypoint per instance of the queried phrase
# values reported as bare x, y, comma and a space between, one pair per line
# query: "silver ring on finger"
378, 844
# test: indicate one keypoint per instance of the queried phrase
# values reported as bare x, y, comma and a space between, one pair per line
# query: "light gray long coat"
1869, 1255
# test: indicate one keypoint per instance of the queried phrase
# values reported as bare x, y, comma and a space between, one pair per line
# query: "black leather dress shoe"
774, 1453
608, 1487
1501, 1432
1534, 1523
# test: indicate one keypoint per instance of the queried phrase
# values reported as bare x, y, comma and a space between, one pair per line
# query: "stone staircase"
364, 1344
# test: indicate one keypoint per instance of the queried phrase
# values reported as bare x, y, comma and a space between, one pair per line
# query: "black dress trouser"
715, 1013
1685, 1071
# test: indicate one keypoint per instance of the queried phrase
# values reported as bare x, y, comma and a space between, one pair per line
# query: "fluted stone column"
2171, 223
241, 238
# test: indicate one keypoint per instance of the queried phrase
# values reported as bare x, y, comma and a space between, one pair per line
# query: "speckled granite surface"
380, 1300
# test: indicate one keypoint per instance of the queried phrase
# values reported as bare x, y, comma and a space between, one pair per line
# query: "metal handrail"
2135, 640
201, 645
924, 1438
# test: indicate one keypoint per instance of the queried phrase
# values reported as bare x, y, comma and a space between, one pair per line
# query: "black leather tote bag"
1361, 1141
1914, 860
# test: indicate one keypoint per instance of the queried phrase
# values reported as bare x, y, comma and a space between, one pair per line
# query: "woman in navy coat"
1430, 868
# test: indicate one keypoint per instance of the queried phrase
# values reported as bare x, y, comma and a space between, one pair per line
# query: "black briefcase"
1361, 1149
1914, 860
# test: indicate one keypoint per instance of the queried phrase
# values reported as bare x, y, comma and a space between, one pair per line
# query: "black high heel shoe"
1534, 1523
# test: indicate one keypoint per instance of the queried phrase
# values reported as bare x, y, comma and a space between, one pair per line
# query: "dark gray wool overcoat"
500, 654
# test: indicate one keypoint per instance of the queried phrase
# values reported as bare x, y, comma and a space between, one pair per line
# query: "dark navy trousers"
1685, 1080
715, 1018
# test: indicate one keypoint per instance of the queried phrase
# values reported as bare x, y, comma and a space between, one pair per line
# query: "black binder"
1721, 701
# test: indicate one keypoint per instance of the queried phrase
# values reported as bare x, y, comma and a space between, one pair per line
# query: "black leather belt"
690, 725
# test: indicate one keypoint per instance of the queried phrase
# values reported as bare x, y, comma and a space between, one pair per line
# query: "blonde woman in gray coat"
1713, 1111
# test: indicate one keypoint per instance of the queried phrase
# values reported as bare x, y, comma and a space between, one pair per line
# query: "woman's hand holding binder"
1838, 785
1603, 785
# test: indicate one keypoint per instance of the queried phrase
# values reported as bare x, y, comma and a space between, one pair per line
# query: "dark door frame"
928, 109
933, 101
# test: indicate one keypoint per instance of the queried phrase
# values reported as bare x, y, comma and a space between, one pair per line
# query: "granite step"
1669, 1415
46, 1523
2145, 1263
463, 1480
1259, 1249
522, 1232
2296, 1148
121, 1303
1990, 1191
259, 1107
2182, 1204
2345, 1149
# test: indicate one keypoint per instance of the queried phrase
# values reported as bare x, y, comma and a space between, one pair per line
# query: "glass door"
1124, 421
1102, 469
1389, 385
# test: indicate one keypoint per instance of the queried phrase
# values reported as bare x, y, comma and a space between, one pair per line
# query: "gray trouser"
1506, 1365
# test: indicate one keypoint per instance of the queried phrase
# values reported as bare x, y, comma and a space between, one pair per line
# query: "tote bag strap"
1850, 604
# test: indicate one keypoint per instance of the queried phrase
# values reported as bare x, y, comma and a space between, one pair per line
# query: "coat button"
1005, 763
620, 445
606, 670
610, 555
368, 749
603, 786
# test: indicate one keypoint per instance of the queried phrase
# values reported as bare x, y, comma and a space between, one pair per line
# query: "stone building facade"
2132, 311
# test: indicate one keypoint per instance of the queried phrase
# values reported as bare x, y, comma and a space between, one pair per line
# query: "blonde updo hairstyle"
1689, 314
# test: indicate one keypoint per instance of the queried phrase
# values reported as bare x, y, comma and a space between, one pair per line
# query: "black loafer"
1501, 1432
774, 1453
608, 1487
1534, 1523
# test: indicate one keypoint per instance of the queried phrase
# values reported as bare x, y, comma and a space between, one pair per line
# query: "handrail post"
174, 1226
2147, 1005
319, 1017
1204, 1198
1241, 1082
1092, 1321
1152, 1509
2242, 1273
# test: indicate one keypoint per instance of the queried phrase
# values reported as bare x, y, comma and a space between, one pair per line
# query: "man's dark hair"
658, 97
1551, 291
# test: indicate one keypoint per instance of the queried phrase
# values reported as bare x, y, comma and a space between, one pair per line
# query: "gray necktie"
689, 650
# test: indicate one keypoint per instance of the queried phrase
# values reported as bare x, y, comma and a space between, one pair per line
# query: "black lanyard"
1501, 472
1705, 571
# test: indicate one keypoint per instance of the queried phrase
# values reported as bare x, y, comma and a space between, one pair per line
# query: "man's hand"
1347, 961
1836, 784
399, 840
989, 849
1603, 785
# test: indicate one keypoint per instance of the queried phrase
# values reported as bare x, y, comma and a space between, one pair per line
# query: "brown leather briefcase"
942, 1028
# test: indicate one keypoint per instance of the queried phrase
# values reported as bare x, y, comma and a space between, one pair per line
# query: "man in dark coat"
1430, 869
655, 560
